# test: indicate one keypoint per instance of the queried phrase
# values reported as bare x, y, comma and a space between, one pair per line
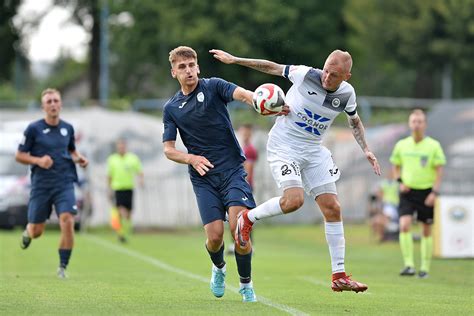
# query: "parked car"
14, 191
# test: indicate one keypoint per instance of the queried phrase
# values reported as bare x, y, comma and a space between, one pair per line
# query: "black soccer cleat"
25, 240
408, 271
423, 275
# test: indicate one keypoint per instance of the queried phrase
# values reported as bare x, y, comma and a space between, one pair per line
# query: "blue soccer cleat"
248, 294
218, 281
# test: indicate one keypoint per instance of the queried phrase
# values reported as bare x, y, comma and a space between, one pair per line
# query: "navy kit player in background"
297, 158
198, 111
48, 146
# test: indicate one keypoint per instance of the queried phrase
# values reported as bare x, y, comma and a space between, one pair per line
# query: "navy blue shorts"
42, 201
215, 193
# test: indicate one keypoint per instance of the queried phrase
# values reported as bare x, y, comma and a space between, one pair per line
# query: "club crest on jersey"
63, 131
312, 122
423, 160
335, 102
200, 97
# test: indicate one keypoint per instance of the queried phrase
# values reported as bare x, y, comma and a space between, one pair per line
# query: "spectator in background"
122, 168
250, 152
48, 145
251, 155
418, 165
383, 209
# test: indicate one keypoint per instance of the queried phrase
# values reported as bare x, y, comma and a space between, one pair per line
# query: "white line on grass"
165, 266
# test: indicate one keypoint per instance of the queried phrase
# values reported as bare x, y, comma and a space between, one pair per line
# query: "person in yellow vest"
418, 165
389, 195
122, 168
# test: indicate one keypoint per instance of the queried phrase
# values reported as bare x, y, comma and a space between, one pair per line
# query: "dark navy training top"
204, 124
56, 141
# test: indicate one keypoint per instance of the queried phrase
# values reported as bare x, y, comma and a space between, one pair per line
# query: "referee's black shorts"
124, 198
414, 201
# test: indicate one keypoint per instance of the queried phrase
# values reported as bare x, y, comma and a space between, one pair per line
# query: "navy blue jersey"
204, 124
56, 141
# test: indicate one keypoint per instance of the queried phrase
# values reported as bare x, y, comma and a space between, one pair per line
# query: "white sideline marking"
165, 266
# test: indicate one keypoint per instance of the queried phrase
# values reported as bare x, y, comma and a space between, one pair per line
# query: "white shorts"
296, 169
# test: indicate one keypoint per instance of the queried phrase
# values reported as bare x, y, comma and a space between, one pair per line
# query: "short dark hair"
182, 51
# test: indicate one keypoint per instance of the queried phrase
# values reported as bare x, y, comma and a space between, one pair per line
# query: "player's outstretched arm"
359, 134
199, 163
262, 65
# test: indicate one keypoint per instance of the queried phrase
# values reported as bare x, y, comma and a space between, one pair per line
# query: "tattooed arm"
262, 65
359, 134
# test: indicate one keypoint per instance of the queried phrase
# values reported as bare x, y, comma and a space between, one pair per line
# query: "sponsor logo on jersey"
46, 131
335, 102
182, 105
200, 97
312, 122
312, 93
63, 131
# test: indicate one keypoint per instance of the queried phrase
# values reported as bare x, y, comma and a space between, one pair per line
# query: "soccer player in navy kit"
48, 146
198, 111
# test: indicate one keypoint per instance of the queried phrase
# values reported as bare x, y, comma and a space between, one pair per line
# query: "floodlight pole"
104, 55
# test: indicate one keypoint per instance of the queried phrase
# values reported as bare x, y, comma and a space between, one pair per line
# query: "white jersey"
312, 110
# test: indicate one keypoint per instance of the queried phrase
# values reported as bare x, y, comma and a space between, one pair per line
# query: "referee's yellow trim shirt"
122, 170
418, 161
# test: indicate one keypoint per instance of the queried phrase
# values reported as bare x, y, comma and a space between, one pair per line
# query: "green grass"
167, 274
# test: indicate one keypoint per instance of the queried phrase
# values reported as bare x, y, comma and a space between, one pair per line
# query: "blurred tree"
406, 48
10, 47
285, 31
86, 13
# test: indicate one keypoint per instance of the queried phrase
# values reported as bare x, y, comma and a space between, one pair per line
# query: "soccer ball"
268, 99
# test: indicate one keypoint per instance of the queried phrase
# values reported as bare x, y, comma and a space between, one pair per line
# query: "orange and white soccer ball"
268, 99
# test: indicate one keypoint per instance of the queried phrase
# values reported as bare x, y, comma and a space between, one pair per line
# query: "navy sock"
244, 266
217, 257
64, 255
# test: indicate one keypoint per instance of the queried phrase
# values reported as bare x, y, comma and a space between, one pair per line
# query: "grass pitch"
168, 274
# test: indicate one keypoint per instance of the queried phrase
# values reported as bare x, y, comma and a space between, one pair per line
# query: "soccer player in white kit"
298, 160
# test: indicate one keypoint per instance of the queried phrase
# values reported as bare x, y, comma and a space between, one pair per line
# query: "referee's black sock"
217, 257
64, 255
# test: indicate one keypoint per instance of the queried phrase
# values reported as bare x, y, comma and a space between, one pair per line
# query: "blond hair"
419, 112
343, 57
48, 91
182, 52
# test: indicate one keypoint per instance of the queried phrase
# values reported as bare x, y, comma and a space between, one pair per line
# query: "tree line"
402, 48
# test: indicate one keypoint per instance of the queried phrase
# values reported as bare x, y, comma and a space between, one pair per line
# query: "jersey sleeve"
28, 139
169, 126
439, 159
224, 89
295, 74
395, 158
351, 107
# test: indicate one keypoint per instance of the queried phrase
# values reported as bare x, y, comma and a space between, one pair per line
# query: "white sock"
267, 209
337, 245
242, 285
223, 269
